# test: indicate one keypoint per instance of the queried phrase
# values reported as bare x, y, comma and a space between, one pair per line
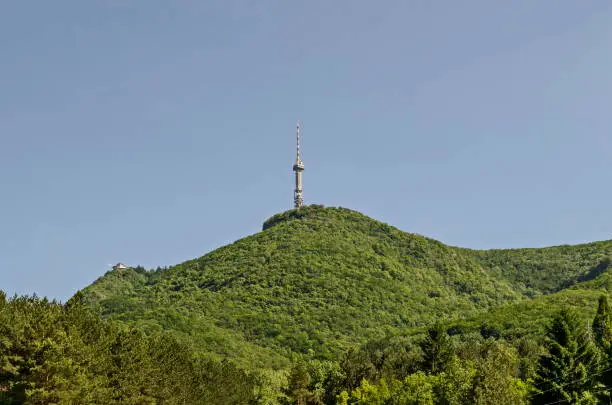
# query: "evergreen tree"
357, 366
437, 349
602, 324
602, 334
299, 381
65, 354
567, 372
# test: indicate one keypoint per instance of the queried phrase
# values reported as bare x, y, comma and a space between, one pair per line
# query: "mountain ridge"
320, 280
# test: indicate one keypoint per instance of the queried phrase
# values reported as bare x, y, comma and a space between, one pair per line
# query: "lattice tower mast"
298, 168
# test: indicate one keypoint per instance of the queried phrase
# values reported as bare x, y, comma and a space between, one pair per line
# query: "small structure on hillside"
120, 266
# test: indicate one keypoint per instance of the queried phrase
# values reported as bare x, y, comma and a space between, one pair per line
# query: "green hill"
322, 280
530, 317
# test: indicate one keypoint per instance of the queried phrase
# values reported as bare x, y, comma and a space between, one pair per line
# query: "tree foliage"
63, 354
437, 349
324, 307
568, 372
602, 324
323, 280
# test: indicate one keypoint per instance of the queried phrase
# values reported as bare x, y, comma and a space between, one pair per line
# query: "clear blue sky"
151, 132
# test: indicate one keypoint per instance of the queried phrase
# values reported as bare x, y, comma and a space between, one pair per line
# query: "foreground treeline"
64, 354
572, 365
53, 353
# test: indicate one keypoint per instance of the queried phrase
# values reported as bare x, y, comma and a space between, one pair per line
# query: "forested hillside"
324, 306
316, 281
320, 280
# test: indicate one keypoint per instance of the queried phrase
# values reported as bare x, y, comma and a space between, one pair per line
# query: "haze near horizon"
153, 133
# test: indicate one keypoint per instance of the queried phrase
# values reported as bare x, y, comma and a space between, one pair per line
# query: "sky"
152, 132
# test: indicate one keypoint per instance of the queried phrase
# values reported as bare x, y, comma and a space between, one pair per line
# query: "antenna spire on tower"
297, 135
298, 168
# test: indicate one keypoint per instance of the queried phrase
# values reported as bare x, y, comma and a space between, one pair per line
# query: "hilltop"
320, 280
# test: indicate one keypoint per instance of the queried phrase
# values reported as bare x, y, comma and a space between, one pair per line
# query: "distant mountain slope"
530, 317
550, 269
319, 280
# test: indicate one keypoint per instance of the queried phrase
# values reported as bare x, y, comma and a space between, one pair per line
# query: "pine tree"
567, 373
299, 380
437, 350
602, 325
602, 334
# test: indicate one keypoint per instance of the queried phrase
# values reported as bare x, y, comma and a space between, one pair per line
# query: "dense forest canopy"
324, 306
319, 281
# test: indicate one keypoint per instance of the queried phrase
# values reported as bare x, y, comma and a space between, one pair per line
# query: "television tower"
298, 168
